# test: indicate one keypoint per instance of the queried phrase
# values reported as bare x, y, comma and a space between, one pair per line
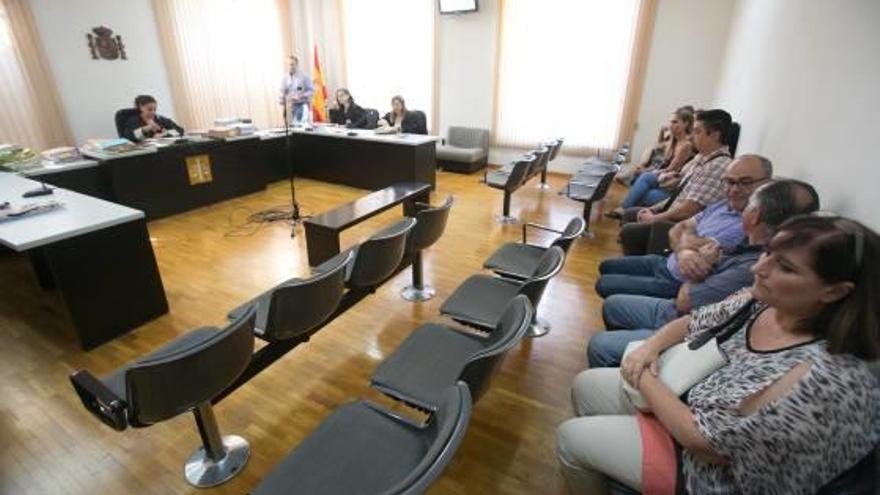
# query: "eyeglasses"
744, 183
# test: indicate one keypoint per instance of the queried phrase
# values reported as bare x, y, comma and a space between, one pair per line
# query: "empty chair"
363, 449
465, 150
519, 260
378, 257
540, 166
510, 183
557, 145
293, 308
183, 375
430, 224
420, 123
435, 356
372, 118
591, 193
481, 299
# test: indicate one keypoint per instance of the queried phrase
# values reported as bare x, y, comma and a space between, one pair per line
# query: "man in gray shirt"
630, 317
296, 92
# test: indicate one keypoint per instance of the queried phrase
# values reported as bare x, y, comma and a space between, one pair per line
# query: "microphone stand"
295, 217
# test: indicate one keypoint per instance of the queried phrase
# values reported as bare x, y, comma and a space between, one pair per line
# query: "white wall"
467, 67
686, 55
92, 90
802, 77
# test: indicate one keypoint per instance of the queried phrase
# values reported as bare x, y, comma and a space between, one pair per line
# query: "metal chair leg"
505, 217
417, 292
539, 328
219, 459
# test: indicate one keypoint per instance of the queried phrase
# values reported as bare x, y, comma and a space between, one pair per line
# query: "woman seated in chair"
344, 111
399, 119
657, 178
796, 404
146, 123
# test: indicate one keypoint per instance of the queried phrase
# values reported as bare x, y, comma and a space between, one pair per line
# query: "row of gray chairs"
514, 175
519, 270
591, 183
362, 448
204, 365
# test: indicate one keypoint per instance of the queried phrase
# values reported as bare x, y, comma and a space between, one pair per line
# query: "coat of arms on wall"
104, 44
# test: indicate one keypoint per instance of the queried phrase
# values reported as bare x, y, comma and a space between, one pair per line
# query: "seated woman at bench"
147, 123
344, 111
402, 120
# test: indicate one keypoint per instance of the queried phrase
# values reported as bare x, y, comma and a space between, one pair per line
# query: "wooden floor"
209, 264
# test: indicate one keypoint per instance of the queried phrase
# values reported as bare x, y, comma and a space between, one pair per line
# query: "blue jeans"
605, 349
641, 275
628, 312
645, 191
298, 112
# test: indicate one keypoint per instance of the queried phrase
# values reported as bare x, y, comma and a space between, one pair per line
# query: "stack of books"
109, 146
64, 154
231, 127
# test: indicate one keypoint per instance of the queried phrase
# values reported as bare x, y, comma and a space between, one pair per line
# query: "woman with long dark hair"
795, 405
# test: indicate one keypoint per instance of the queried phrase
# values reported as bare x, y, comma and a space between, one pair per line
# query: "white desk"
80, 214
97, 254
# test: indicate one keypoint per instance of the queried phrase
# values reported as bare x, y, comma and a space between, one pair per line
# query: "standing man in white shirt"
296, 92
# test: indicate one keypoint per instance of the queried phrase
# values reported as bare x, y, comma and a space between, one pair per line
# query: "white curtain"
319, 23
225, 58
563, 72
31, 114
389, 50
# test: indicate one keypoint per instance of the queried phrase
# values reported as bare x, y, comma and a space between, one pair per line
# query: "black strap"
724, 330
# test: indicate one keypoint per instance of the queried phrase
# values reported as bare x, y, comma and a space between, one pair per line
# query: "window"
225, 58
389, 50
563, 71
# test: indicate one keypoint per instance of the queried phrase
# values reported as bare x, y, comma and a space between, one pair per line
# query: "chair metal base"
544, 185
588, 235
506, 219
539, 328
414, 294
203, 472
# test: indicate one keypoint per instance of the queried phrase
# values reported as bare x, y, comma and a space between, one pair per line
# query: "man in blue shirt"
719, 226
632, 317
296, 92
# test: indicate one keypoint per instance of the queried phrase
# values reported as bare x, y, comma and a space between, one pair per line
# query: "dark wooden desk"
159, 185
364, 161
322, 231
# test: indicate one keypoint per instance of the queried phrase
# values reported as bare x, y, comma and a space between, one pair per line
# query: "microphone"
43, 190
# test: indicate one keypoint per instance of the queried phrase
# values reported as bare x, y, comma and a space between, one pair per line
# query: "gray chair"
540, 167
430, 225
518, 260
183, 375
378, 257
557, 145
363, 449
466, 150
435, 356
293, 308
510, 182
481, 299
590, 193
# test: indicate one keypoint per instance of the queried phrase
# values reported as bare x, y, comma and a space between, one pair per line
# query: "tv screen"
457, 6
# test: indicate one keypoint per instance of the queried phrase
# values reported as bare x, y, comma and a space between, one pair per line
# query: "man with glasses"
637, 317
696, 242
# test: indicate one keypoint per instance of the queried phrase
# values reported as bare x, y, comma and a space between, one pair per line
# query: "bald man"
719, 227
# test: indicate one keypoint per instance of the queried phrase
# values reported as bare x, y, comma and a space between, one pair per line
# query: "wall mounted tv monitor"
457, 6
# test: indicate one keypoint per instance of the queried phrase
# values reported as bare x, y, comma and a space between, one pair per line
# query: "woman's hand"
643, 357
382, 123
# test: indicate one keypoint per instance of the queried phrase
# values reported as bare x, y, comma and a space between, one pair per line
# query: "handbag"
685, 364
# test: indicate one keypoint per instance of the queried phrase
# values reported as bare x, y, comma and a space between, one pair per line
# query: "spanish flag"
319, 96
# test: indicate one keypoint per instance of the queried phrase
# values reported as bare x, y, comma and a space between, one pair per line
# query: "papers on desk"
9, 212
109, 146
15, 158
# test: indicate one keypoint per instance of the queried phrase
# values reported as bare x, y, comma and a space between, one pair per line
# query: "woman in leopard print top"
795, 406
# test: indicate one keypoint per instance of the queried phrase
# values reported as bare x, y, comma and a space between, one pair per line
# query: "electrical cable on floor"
255, 221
